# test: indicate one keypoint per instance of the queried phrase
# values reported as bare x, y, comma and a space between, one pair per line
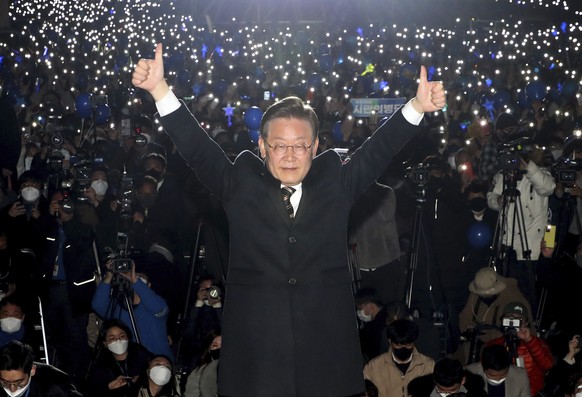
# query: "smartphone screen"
550, 236
267, 95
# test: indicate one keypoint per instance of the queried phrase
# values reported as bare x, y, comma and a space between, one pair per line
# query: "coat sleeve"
542, 181
541, 354
100, 300
152, 302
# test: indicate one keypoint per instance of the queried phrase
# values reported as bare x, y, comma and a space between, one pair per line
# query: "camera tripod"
511, 225
120, 298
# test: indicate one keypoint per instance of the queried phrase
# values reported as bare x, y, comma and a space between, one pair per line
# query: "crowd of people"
470, 240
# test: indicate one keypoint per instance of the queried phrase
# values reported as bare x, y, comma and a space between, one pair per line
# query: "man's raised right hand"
149, 75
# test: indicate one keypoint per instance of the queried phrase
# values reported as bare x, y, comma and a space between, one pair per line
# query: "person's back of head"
16, 356
495, 357
448, 372
402, 332
368, 295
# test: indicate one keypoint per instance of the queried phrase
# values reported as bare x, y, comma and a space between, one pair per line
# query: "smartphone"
550, 236
267, 95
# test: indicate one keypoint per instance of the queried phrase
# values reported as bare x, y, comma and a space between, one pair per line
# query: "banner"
383, 107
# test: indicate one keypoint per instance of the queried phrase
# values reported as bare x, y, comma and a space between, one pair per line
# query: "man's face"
15, 380
289, 168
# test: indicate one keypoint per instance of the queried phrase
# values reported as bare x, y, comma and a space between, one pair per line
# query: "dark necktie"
286, 193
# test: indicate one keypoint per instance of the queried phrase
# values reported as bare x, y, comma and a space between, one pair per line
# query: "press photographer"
149, 310
527, 350
68, 278
520, 193
566, 202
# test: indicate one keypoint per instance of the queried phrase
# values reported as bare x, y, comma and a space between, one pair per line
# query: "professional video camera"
67, 202
121, 257
55, 143
126, 196
511, 325
82, 179
564, 171
418, 174
511, 154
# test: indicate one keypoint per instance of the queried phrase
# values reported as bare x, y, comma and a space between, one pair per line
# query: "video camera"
121, 258
419, 174
67, 202
126, 196
564, 171
510, 327
511, 153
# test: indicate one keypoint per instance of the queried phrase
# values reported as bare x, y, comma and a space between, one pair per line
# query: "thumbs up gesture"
430, 95
149, 75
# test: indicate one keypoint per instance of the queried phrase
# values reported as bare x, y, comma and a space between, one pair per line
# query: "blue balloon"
102, 114
83, 105
337, 134
254, 135
535, 91
253, 118
479, 235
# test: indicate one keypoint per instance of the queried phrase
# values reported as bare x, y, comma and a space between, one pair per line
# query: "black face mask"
215, 354
402, 353
478, 204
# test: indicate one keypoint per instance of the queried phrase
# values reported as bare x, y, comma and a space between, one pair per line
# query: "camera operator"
566, 202
149, 309
565, 368
527, 350
23, 220
104, 206
530, 185
68, 281
205, 316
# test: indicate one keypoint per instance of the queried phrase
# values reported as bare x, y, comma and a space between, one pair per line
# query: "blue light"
564, 27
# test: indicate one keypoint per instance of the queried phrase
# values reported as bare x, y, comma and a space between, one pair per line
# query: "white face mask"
363, 316
160, 375
100, 186
18, 392
495, 382
30, 194
118, 347
578, 394
10, 325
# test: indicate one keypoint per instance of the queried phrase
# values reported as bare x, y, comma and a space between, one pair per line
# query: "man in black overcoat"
289, 324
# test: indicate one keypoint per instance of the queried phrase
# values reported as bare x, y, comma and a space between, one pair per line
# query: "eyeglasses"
18, 384
299, 149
